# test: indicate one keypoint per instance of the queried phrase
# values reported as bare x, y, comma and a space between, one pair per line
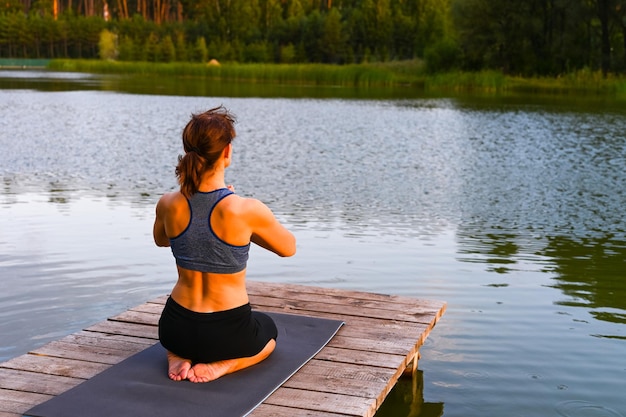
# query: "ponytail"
204, 138
189, 172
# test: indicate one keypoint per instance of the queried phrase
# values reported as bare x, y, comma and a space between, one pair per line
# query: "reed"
587, 82
583, 81
402, 73
485, 81
319, 74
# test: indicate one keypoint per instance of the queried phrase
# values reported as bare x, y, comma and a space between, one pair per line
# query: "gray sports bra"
198, 248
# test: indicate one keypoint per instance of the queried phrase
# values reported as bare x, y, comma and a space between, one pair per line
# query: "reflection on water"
591, 274
407, 399
589, 271
196, 87
512, 211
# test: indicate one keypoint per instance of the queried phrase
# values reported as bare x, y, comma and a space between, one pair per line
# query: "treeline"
525, 37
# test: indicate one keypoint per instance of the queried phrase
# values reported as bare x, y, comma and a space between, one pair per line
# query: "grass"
397, 73
318, 74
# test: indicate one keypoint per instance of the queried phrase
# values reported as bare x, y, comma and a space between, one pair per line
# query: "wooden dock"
351, 376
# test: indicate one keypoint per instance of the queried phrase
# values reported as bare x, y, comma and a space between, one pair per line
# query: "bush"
126, 49
181, 47
442, 56
287, 54
168, 51
152, 48
256, 52
107, 45
200, 52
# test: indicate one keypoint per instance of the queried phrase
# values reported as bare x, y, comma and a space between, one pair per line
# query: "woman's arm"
158, 231
267, 232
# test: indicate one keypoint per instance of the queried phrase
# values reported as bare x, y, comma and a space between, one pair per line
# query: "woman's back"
207, 325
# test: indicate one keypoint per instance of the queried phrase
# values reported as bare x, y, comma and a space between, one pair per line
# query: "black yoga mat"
139, 386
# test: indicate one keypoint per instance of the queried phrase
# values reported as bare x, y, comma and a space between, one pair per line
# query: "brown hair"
204, 138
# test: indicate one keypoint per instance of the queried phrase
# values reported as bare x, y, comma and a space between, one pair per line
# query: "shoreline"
390, 74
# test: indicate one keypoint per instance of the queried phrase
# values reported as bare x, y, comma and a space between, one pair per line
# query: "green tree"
433, 22
312, 33
287, 54
256, 52
107, 45
403, 34
271, 17
21, 37
332, 44
168, 50
443, 55
126, 49
540, 36
384, 28
4, 35
495, 34
181, 47
152, 48
603, 10
200, 52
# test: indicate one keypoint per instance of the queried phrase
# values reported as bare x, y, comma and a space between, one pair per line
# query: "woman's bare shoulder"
247, 204
243, 208
172, 201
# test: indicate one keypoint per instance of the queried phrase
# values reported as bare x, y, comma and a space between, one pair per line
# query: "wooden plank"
27, 381
362, 357
357, 383
87, 353
390, 347
347, 310
125, 329
320, 401
20, 402
268, 410
148, 307
54, 366
115, 341
373, 330
372, 383
137, 317
19, 397
347, 371
342, 386
342, 298
162, 299
274, 287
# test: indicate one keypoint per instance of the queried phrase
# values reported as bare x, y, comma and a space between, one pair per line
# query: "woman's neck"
212, 181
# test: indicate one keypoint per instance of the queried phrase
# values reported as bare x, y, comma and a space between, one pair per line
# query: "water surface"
509, 208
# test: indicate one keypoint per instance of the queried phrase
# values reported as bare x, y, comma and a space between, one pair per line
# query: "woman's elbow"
289, 249
161, 242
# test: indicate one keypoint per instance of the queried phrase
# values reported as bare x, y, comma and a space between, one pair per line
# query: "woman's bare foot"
178, 368
205, 372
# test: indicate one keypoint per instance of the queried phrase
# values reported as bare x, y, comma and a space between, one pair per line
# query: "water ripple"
585, 409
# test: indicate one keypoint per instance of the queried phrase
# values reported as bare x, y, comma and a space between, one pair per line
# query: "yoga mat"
139, 386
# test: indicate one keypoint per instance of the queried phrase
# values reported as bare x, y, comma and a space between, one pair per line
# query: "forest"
521, 37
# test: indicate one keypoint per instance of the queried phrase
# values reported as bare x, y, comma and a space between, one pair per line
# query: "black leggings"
209, 337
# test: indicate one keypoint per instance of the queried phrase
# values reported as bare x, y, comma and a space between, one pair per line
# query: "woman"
207, 325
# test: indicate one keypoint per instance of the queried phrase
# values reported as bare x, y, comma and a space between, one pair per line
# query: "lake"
510, 208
